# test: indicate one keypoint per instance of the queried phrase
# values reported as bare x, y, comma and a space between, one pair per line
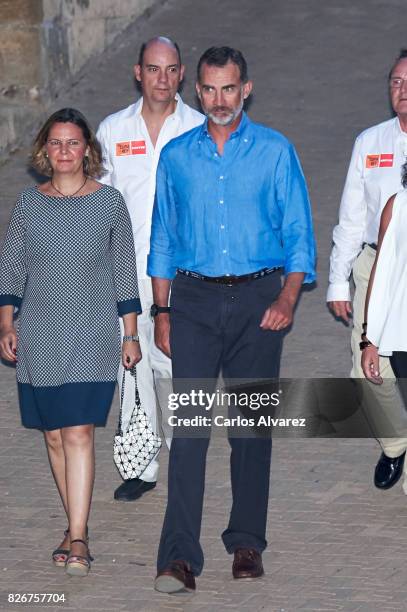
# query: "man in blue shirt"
231, 210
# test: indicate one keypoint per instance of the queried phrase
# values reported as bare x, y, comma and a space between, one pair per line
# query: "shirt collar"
397, 128
177, 114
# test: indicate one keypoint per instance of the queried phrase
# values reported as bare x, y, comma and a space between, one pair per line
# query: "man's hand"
341, 309
8, 344
370, 365
279, 315
162, 333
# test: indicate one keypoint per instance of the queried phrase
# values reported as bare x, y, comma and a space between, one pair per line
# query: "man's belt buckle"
228, 280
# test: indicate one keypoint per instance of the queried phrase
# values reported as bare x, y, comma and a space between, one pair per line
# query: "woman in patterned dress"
68, 266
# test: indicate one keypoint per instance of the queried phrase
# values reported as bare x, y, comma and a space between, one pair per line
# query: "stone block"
19, 56
86, 37
17, 120
114, 27
52, 9
7, 133
21, 11
55, 56
105, 9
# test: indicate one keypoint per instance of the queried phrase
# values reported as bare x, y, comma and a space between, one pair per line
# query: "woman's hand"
370, 364
8, 344
131, 354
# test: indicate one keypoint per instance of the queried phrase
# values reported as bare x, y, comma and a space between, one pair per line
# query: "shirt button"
221, 177
224, 251
245, 140
222, 227
220, 201
215, 155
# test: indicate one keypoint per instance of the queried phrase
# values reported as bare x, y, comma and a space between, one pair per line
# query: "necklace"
71, 195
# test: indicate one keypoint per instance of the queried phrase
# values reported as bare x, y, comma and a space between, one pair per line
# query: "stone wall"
43, 45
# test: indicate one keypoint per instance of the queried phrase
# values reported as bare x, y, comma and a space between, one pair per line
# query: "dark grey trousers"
215, 328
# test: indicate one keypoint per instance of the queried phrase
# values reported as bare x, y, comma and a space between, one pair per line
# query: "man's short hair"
402, 55
220, 56
163, 39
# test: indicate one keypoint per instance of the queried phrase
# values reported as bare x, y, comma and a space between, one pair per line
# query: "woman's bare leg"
56, 456
78, 445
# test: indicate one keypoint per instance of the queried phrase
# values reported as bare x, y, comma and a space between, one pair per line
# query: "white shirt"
387, 321
374, 175
131, 162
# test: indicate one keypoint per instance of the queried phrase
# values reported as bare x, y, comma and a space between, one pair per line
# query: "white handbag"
134, 449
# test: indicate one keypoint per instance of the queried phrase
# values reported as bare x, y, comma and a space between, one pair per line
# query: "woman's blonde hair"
93, 161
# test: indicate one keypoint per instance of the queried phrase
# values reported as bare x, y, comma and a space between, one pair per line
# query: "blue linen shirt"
234, 213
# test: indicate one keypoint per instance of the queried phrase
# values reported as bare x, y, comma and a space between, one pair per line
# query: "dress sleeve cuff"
10, 300
126, 306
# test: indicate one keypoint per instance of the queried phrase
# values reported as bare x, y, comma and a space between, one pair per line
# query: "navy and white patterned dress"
68, 264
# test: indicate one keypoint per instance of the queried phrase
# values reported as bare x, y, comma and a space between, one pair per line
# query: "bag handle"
133, 372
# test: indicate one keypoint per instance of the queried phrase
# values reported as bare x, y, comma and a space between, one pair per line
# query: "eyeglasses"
71, 144
396, 82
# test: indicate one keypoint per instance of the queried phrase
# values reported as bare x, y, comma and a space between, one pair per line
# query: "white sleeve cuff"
338, 292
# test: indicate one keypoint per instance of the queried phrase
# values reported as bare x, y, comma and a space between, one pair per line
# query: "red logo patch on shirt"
382, 160
131, 147
386, 160
138, 147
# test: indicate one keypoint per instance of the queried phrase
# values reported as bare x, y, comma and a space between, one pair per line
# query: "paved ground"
336, 543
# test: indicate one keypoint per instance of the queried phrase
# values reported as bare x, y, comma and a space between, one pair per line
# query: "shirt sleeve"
161, 260
124, 260
13, 264
348, 234
296, 227
104, 141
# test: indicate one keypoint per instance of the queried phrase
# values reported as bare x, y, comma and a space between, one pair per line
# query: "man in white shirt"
132, 140
374, 175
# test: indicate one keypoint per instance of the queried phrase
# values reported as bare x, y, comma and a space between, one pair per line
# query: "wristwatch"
155, 310
133, 338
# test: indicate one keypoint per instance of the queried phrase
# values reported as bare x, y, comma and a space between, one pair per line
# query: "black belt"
372, 245
229, 279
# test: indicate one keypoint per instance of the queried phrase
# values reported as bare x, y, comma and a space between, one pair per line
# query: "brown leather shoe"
247, 563
174, 578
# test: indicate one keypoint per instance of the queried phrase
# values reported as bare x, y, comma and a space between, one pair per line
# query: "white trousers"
153, 367
386, 397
